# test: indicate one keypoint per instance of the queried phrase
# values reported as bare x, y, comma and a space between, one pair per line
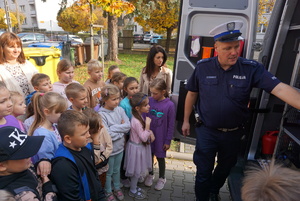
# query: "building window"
25, 21
22, 8
33, 20
32, 8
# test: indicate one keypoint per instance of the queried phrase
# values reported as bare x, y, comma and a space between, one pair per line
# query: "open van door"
280, 55
197, 18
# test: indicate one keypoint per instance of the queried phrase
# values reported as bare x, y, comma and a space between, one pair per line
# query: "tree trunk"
168, 40
112, 53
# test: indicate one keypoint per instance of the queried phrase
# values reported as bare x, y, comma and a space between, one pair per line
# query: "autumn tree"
101, 20
160, 15
13, 19
264, 6
21, 17
75, 18
113, 9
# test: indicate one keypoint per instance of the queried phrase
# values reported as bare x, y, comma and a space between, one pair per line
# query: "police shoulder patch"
203, 60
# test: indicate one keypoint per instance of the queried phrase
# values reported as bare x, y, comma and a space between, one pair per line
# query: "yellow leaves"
2, 20
100, 19
264, 6
164, 15
115, 7
75, 18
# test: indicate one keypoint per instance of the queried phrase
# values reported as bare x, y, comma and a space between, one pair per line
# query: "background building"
39, 15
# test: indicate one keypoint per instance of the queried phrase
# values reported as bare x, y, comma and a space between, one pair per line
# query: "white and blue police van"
279, 54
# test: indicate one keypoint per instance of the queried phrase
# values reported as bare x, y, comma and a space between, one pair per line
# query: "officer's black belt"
228, 129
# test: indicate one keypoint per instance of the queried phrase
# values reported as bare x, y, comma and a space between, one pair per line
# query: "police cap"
227, 32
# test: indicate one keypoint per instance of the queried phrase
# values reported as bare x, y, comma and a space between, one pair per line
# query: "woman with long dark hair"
155, 68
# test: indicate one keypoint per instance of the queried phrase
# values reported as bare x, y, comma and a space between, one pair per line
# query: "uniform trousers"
211, 143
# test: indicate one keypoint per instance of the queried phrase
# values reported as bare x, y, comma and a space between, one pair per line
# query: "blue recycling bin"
58, 45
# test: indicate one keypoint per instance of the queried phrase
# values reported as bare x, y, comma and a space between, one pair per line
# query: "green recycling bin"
72, 55
79, 54
44, 59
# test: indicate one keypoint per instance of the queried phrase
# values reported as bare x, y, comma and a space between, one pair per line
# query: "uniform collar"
219, 66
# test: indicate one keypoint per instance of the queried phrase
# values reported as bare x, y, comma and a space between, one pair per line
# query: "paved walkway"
180, 175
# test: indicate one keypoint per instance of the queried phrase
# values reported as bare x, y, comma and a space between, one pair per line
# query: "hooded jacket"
112, 120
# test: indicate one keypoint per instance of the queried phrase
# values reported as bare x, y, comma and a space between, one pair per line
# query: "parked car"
76, 38
73, 38
147, 38
155, 39
138, 38
97, 40
28, 38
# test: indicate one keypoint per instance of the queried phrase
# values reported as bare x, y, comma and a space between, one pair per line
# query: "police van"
270, 117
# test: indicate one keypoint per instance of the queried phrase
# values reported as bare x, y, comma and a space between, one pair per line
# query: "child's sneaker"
149, 180
141, 179
125, 183
119, 194
160, 184
138, 195
110, 197
140, 190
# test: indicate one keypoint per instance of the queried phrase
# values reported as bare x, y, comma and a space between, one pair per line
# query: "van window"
228, 4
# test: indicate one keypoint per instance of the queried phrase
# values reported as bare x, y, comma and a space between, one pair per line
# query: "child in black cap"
16, 175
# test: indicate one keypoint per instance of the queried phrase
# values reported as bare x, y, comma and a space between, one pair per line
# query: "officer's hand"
185, 129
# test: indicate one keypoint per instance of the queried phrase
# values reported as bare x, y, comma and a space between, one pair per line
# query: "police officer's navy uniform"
222, 105
224, 95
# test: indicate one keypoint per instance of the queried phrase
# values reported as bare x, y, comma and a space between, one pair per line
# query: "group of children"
106, 131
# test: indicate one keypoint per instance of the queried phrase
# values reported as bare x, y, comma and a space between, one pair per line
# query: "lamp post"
91, 31
8, 22
18, 16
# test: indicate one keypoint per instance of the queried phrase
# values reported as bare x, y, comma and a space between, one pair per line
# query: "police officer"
222, 85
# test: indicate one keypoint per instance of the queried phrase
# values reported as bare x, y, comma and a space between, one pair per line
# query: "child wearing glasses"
138, 151
162, 113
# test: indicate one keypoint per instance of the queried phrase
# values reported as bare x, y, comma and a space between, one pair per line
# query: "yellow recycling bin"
44, 59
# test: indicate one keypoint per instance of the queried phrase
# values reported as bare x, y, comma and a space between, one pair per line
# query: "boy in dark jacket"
17, 175
73, 169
